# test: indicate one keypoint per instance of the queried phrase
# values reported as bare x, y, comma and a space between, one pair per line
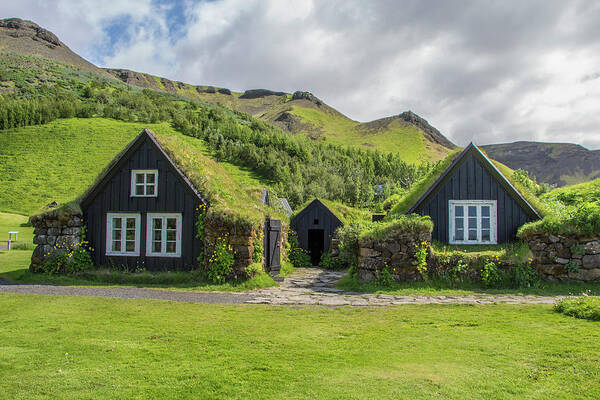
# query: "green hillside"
60, 160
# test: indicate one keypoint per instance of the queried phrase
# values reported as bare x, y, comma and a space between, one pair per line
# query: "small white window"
472, 222
144, 183
163, 238
122, 234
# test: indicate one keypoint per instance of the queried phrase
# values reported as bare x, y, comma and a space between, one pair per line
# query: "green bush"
384, 278
394, 223
68, 262
523, 275
585, 307
491, 275
297, 256
220, 263
328, 262
572, 220
254, 269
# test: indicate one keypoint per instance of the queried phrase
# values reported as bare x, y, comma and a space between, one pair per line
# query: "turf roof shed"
469, 200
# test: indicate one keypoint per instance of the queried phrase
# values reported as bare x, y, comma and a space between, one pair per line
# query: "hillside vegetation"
293, 166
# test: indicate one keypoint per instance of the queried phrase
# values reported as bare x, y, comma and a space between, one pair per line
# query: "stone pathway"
308, 286
316, 287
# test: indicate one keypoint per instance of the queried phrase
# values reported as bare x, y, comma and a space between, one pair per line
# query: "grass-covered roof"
233, 193
420, 188
346, 214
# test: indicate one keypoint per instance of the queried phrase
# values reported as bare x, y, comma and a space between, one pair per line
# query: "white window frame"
109, 231
150, 231
145, 172
479, 203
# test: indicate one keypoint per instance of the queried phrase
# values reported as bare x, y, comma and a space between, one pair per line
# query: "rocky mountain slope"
555, 163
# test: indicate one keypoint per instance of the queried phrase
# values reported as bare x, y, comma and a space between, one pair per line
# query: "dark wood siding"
174, 196
471, 180
305, 219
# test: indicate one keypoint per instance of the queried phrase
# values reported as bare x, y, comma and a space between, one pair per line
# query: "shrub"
220, 263
348, 236
297, 256
523, 275
395, 223
490, 275
254, 269
328, 262
585, 307
258, 248
68, 262
421, 258
384, 278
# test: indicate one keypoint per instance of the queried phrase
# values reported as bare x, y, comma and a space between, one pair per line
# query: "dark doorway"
316, 244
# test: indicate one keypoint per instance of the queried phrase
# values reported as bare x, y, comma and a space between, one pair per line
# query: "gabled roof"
314, 203
471, 149
119, 161
278, 203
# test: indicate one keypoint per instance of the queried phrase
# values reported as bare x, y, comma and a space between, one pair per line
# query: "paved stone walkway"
316, 286
311, 286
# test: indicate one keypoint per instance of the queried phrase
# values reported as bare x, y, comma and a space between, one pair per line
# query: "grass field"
15, 222
61, 347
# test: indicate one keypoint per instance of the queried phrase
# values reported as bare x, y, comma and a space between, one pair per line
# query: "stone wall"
397, 251
54, 231
566, 257
241, 240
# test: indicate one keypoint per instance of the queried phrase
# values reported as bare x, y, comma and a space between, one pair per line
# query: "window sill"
123, 254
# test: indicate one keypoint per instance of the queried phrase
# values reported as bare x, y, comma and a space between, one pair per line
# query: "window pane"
485, 211
171, 223
116, 234
150, 178
130, 245
171, 235
472, 234
116, 246
473, 223
485, 235
472, 211
150, 190
156, 247
459, 235
459, 223
458, 211
139, 190
130, 223
157, 223
139, 178
171, 247
116, 222
157, 235
485, 223
130, 235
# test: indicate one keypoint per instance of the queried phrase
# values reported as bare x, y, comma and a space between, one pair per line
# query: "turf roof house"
472, 202
142, 211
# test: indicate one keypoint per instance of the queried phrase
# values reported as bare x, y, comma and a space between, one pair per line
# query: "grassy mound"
585, 307
411, 223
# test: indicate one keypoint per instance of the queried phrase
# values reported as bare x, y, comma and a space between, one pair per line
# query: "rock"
40, 231
224, 91
585, 275
55, 231
39, 239
258, 93
71, 231
591, 261
592, 247
553, 239
75, 221
393, 247
299, 95
561, 260
366, 252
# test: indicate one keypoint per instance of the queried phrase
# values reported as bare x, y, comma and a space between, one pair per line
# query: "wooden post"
9, 244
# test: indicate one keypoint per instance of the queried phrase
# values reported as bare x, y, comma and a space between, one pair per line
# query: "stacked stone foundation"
54, 232
568, 257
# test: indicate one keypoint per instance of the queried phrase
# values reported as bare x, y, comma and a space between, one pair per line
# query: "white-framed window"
472, 222
144, 183
122, 234
163, 235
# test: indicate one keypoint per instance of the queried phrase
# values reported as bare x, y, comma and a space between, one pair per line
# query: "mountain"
27, 38
554, 163
303, 113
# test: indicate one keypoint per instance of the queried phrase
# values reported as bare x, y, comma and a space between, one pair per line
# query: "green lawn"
14, 266
65, 347
15, 222
439, 288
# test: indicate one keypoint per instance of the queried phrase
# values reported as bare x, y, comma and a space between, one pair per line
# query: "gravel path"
310, 286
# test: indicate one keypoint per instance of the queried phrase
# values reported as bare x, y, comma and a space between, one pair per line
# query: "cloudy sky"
487, 71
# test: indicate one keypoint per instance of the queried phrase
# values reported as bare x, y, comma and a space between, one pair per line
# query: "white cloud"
483, 71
